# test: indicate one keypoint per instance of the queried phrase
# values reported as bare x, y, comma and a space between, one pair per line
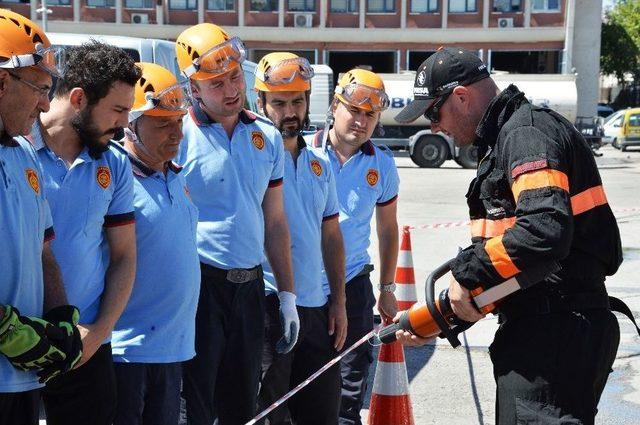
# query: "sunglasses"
433, 111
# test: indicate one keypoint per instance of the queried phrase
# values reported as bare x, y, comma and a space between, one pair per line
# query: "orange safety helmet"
362, 89
158, 93
283, 71
206, 51
23, 44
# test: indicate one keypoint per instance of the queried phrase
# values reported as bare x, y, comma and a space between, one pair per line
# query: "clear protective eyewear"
359, 95
50, 59
284, 72
218, 59
172, 99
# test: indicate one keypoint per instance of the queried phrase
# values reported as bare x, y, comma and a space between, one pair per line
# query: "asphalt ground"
456, 386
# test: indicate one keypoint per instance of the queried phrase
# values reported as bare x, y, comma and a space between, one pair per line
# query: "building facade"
518, 36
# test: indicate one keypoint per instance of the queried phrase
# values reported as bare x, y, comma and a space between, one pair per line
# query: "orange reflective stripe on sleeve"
588, 199
538, 180
500, 258
486, 228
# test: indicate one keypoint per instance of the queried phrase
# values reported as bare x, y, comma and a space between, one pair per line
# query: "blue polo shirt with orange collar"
24, 227
158, 324
227, 179
366, 180
309, 200
89, 196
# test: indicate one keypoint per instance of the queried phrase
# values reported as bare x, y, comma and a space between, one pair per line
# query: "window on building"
15, 1
462, 6
424, 6
527, 62
264, 5
136, 4
101, 3
381, 6
507, 5
58, 2
546, 5
182, 4
344, 6
302, 5
228, 5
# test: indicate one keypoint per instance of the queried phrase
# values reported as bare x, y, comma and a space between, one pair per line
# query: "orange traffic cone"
390, 402
405, 278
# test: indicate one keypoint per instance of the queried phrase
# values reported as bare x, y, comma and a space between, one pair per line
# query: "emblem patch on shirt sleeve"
103, 176
316, 168
372, 177
32, 178
257, 139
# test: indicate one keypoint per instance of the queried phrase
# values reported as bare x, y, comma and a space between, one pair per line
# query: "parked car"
622, 129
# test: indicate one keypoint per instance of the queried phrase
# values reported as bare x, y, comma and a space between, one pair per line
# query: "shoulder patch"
257, 139
528, 167
372, 177
316, 167
32, 179
103, 177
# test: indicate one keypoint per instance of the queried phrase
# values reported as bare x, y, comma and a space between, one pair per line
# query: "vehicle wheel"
429, 152
623, 148
614, 143
468, 157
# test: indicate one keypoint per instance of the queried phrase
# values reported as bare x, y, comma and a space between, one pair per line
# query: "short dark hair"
95, 67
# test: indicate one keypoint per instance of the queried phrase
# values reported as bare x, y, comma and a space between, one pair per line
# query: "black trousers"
317, 403
20, 408
354, 367
222, 380
148, 393
552, 368
83, 396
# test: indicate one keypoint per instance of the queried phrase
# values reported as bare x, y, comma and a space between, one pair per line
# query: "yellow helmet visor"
362, 96
218, 59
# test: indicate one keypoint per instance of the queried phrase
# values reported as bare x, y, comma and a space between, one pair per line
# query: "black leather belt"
232, 275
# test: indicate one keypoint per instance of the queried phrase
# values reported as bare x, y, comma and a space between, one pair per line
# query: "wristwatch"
387, 287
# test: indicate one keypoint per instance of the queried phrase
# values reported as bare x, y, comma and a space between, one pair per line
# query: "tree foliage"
620, 48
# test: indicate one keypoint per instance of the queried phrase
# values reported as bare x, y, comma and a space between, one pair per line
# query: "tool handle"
388, 333
432, 306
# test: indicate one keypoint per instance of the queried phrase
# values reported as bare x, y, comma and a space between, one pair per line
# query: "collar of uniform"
301, 143
8, 141
366, 148
498, 112
202, 119
141, 169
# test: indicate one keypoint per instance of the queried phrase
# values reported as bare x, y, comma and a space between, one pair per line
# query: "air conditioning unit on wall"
505, 22
139, 18
303, 20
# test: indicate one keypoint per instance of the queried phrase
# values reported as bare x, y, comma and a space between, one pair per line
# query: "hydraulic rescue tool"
436, 316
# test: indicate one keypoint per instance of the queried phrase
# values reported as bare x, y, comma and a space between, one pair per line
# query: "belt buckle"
238, 275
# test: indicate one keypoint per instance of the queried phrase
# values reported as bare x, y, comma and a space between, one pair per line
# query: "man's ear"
78, 98
462, 96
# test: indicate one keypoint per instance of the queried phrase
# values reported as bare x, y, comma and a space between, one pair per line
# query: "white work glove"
290, 322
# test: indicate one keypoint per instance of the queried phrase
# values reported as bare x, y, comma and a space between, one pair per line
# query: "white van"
157, 51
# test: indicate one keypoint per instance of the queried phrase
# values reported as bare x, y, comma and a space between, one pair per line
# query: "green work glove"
65, 318
25, 341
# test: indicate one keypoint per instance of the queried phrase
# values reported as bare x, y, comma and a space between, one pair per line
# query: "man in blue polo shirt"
30, 281
157, 329
233, 164
367, 180
283, 82
89, 184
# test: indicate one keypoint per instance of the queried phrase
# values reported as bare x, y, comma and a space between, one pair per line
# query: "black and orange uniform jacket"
537, 204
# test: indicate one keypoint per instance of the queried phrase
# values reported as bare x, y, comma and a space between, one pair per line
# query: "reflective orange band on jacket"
499, 258
588, 199
486, 228
538, 180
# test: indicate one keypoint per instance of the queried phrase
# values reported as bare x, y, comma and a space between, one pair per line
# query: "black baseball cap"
447, 68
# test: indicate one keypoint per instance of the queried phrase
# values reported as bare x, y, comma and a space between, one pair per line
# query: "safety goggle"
172, 99
359, 95
284, 72
218, 59
433, 111
50, 59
